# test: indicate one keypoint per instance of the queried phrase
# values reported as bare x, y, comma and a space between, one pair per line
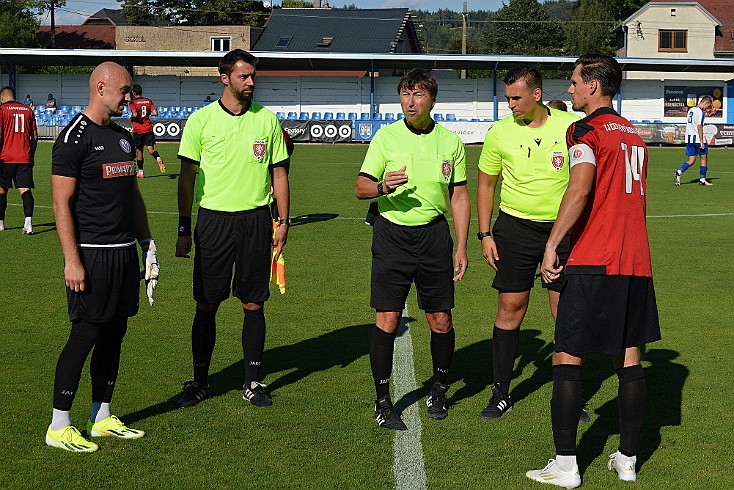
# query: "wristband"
184, 226
483, 234
286, 221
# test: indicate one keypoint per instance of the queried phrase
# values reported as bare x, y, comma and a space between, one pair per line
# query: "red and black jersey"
19, 127
101, 158
143, 107
610, 237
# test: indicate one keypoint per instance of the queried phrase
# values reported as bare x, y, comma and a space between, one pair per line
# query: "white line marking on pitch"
409, 470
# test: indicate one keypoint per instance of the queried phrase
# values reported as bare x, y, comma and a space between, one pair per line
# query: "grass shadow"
305, 219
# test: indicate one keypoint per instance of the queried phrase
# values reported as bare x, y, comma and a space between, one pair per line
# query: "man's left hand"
461, 263
281, 236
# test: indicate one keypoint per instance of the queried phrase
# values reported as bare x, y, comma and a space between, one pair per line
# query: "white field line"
410, 473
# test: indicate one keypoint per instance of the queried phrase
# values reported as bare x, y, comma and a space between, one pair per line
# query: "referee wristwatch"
381, 188
483, 234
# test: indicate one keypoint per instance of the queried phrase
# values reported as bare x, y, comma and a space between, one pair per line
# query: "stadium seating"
303, 116
329, 116
291, 116
400, 116
364, 116
340, 116
438, 117
352, 116
389, 116
281, 115
451, 117
377, 116
315, 115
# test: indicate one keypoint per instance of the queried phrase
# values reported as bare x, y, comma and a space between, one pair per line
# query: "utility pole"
463, 37
53, 26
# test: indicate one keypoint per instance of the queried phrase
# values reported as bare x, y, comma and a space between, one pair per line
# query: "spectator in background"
557, 104
51, 102
208, 100
29, 102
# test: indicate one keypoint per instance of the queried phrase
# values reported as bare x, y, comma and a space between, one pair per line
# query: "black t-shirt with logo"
101, 158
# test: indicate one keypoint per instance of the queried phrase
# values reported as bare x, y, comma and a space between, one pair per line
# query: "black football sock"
28, 203
3, 205
69, 367
253, 343
504, 350
140, 164
442, 351
155, 155
631, 401
382, 345
203, 337
566, 404
105, 362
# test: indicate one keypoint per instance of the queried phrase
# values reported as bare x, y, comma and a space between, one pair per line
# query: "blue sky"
76, 11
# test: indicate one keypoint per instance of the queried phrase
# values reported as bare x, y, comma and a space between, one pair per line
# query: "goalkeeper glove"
152, 269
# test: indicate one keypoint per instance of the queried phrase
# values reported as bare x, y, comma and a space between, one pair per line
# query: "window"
673, 13
673, 41
221, 43
283, 42
325, 42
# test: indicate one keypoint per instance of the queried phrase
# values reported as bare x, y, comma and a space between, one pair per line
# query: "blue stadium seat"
377, 116
451, 117
315, 115
340, 116
291, 116
64, 108
281, 115
400, 116
329, 116
364, 116
645, 121
658, 121
438, 117
389, 116
303, 116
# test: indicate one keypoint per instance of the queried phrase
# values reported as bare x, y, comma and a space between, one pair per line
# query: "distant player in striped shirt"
695, 142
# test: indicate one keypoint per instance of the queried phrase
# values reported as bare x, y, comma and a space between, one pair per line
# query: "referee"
528, 148
237, 148
417, 170
99, 214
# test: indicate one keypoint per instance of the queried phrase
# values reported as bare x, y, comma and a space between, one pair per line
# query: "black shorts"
112, 285
145, 139
242, 240
520, 246
405, 254
19, 173
605, 314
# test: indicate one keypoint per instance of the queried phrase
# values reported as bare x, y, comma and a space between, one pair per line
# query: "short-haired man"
417, 170
99, 215
528, 148
696, 144
51, 102
607, 304
141, 108
557, 104
238, 150
29, 102
18, 141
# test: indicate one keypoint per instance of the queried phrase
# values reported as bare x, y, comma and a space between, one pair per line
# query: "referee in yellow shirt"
417, 170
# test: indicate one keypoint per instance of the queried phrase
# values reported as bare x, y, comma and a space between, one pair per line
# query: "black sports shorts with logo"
111, 285
224, 240
605, 314
145, 139
402, 255
19, 173
520, 246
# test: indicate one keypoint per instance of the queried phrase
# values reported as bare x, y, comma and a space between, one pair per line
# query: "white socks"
566, 463
100, 411
60, 419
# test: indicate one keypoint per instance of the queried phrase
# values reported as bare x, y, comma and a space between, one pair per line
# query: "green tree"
195, 12
591, 29
18, 23
524, 27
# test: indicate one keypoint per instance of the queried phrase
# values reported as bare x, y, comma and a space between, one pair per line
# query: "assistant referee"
416, 169
237, 148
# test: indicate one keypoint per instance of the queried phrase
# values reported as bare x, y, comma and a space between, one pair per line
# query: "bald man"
99, 216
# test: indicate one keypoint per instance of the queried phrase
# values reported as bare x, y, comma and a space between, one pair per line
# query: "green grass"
320, 432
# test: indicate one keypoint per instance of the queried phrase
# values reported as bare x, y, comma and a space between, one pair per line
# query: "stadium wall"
642, 100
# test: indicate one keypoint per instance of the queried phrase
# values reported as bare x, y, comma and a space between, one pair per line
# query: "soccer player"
528, 148
99, 215
18, 141
141, 108
238, 150
696, 144
607, 304
417, 170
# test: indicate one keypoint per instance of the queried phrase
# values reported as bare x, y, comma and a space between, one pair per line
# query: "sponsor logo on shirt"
258, 148
557, 160
446, 170
118, 169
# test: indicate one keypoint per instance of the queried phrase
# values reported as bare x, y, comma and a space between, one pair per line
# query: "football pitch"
320, 431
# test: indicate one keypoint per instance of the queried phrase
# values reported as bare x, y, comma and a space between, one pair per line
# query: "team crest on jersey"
446, 170
557, 160
125, 145
365, 130
258, 148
